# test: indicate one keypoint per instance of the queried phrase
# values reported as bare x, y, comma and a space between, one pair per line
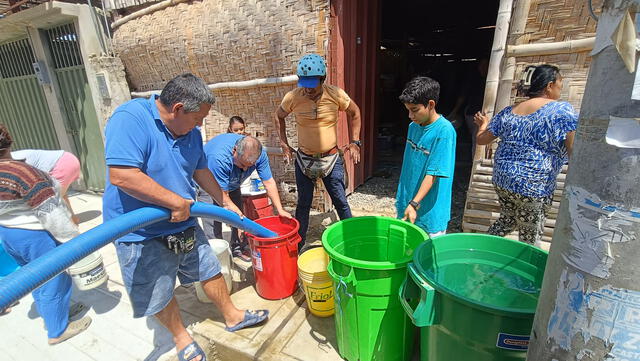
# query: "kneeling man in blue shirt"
232, 158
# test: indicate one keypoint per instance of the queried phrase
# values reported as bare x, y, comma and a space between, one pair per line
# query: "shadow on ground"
88, 215
323, 330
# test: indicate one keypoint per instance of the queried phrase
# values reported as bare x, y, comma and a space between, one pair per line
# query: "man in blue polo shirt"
154, 156
232, 158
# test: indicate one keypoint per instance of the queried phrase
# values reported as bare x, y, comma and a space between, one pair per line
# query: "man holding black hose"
154, 156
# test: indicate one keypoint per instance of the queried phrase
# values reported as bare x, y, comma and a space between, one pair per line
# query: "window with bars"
63, 43
16, 59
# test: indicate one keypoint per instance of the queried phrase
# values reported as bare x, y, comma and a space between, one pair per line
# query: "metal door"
355, 34
23, 106
81, 118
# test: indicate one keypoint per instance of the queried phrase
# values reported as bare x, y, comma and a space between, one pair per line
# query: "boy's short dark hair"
420, 90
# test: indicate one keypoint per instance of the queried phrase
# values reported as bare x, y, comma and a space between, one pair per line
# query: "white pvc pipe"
289, 79
561, 47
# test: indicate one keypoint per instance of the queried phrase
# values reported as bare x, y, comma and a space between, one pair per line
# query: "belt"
331, 151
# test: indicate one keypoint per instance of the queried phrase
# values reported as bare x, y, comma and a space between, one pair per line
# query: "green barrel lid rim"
515, 312
372, 265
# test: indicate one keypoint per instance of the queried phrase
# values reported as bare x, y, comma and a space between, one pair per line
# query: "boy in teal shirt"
424, 190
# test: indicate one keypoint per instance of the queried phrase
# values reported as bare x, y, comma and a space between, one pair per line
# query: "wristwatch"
415, 205
357, 142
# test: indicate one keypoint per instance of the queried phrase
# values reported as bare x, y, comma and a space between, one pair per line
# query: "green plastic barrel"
477, 297
368, 264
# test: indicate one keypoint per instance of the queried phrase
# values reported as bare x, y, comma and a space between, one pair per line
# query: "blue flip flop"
191, 352
251, 318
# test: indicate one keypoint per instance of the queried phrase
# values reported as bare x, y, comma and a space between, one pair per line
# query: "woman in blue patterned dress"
536, 137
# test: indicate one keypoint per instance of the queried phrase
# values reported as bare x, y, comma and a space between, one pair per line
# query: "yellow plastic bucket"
316, 282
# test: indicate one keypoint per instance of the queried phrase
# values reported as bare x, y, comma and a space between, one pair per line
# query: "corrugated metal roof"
123, 4
5, 5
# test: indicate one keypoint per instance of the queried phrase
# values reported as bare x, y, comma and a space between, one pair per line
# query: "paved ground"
114, 333
291, 334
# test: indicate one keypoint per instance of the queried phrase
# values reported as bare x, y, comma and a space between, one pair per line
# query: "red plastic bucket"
275, 259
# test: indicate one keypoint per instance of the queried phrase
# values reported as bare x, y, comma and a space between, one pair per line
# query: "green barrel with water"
476, 297
368, 264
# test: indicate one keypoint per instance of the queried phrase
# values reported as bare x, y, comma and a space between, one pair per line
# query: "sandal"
74, 328
191, 352
74, 311
251, 318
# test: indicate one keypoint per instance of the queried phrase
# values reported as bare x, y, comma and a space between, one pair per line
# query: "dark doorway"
446, 40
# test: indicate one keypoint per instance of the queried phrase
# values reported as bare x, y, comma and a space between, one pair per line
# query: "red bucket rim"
280, 238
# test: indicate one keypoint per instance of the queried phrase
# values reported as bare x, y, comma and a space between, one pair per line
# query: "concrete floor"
113, 335
291, 333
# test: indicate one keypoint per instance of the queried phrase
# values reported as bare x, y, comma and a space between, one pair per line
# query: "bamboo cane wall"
554, 21
228, 40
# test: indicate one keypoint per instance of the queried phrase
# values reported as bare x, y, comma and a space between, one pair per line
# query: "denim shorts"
149, 271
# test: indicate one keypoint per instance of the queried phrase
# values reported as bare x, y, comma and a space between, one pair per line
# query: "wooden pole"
516, 36
497, 54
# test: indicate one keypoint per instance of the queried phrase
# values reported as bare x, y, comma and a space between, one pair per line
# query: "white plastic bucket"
89, 272
221, 249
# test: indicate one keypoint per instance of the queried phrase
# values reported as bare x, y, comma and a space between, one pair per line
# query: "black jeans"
213, 229
334, 183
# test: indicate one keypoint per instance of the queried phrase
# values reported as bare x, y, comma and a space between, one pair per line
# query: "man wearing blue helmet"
316, 106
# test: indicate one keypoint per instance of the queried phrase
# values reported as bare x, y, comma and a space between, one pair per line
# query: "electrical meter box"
41, 72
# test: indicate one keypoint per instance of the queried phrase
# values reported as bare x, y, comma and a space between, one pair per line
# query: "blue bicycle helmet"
310, 68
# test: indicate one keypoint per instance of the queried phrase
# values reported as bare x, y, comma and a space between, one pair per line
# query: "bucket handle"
293, 241
424, 314
292, 245
349, 278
